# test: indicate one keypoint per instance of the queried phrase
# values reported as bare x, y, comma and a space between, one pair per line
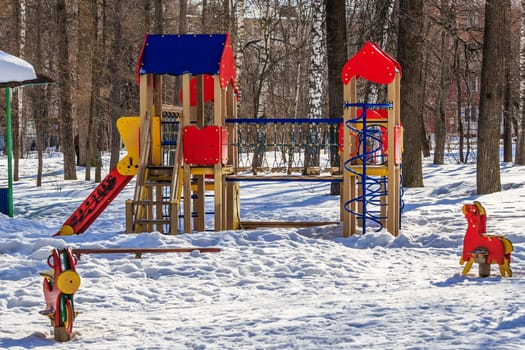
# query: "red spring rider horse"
60, 284
482, 248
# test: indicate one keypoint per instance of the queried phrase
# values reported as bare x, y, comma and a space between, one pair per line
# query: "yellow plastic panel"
129, 130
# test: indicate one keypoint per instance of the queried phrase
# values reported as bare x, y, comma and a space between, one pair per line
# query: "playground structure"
62, 282
482, 248
181, 156
59, 285
372, 144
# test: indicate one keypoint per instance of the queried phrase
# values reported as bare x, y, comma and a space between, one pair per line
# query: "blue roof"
179, 54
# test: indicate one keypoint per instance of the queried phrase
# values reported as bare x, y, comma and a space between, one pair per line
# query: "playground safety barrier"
278, 145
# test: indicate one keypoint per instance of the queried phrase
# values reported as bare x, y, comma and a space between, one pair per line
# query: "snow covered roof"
15, 71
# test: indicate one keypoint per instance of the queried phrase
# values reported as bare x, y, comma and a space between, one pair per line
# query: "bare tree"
491, 98
240, 38
336, 57
445, 81
117, 82
86, 23
410, 57
520, 149
315, 84
507, 89
38, 96
64, 80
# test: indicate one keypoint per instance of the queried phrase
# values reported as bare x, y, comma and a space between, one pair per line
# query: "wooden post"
199, 203
174, 217
349, 180
129, 216
157, 111
217, 172
187, 170
199, 107
146, 102
397, 174
232, 196
159, 212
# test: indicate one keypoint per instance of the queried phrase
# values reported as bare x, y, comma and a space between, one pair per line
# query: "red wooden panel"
207, 146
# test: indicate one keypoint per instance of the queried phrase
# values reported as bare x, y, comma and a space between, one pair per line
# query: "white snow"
305, 288
13, 69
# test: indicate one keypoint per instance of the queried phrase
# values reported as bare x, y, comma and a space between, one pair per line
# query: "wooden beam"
218, 117
349, 181
199, 203
292, 178
199, 94
187, 175
284, 224
139, 251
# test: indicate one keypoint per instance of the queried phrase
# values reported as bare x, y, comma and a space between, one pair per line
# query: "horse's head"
476, 215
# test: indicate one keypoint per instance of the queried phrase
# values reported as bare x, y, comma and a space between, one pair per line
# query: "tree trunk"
183, 13
507, 94
241, 34
39, 94
116, 83
17, 112
459, 105
86, 19
491, 98
158, 26
410, 57
64, 83
204, 18
315, 83
336, 56
520, 148
444, 85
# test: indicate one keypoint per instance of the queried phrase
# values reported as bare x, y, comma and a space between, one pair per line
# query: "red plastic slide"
95, 203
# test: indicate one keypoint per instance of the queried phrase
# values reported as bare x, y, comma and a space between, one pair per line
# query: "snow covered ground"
305, 288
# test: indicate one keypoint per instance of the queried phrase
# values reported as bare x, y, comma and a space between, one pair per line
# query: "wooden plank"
174, 217
157, 111
292, 178
199, 107
139, 251
284, 224
159, 204
397, 109
348, 190
232, 188
218, 116
187, 175
129, 216
199, 203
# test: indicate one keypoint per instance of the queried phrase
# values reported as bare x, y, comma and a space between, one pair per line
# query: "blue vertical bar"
364, 159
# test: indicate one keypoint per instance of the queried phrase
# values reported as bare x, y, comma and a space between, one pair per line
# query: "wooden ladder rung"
153, 221
150, 202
